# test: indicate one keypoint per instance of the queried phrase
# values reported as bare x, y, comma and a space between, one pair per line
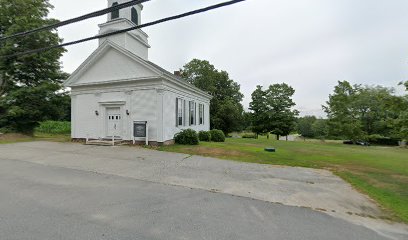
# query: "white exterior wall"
113, 65
154, 103
140, 102
170, 128
136, 46
135, 41
144, 107
84, 121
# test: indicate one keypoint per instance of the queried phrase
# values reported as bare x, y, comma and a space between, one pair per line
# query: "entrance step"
106, 142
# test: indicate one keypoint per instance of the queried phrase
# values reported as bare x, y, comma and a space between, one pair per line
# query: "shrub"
381, 140
217, 135
54, 127
187, 137
204, 136
249, 135
6, 130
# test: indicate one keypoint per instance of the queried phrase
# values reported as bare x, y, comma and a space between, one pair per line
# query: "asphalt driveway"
72, 191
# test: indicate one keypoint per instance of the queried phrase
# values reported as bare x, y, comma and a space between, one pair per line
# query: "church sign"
139, 129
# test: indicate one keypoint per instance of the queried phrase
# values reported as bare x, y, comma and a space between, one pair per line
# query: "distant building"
117, 86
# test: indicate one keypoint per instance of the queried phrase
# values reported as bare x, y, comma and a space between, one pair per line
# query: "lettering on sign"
139, 129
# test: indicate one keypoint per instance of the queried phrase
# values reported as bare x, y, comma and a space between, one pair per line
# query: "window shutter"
203, 114
177, 106
195, 113
191, 113
202, 109
185, 116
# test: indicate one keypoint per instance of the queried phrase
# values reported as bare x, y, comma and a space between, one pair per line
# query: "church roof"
155, 70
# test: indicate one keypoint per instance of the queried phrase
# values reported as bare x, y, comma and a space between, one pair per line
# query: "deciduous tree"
258, 106
356, 112
401, 124
343, 117
226, 108
30, 86
273, 109
304, 126
280, 109
320, 128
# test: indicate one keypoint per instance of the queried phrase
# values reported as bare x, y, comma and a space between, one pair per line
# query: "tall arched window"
115, 14
135, 16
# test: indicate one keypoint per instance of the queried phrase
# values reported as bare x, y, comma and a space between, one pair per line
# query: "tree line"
363, 112
31, 91
354, 112
271, 108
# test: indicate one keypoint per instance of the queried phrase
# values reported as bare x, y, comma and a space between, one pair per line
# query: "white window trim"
192, 109
201, 114
180, 112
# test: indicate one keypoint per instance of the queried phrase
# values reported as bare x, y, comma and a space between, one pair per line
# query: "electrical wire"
206, 9
77, 19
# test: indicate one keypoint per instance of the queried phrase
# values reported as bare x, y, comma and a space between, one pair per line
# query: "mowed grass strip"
14, 138
9, 138
54, 131
380, 172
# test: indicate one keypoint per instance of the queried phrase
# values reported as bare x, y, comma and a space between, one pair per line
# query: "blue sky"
308, 44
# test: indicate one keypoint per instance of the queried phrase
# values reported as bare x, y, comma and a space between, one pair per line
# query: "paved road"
40, 173
46, 202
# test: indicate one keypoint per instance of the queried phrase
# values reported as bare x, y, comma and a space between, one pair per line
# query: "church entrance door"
114, 122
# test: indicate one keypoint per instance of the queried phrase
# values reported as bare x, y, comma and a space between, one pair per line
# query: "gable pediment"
111, 63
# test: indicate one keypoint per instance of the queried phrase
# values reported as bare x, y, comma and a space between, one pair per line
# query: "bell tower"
135, 41
133, 13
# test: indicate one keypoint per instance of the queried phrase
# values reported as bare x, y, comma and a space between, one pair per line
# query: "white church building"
117, 90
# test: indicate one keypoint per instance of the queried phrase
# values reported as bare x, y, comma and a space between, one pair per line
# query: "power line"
77, 19
206, 9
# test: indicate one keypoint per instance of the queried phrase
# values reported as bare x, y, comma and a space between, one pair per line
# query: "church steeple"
135, 41
133, 14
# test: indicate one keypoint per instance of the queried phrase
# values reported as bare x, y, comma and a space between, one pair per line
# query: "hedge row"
191, 137
381, 140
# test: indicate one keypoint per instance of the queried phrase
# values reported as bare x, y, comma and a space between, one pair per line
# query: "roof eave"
186, 84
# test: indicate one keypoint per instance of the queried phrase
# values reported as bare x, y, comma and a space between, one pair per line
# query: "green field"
380, 172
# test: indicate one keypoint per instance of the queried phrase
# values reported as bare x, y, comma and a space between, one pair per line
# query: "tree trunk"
2, 86
277, 137
286, 138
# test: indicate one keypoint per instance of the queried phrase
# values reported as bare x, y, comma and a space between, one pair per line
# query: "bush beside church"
191, 137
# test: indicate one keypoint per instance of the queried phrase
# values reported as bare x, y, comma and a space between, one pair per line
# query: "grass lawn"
15, 138
380, 172
54, 131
